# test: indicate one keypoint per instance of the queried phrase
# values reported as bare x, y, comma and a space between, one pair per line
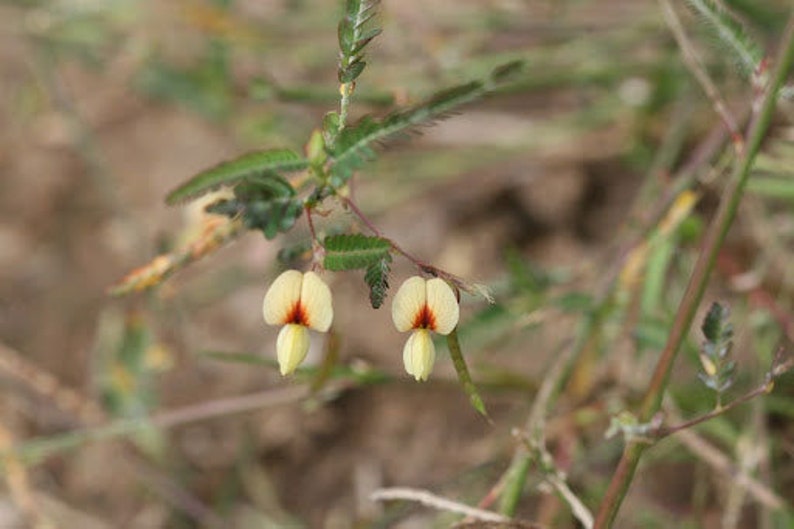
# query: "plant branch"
510, 485
353, 207
318, 251
471, 288
694, 293
437, 502
765, 388
36, 450
578, 508
723, 464
216, 232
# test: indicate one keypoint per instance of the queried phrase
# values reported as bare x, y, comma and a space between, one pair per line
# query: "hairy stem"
353, 207
692, 296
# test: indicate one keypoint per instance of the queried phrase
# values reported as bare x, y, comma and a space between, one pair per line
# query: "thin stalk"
36, 450
424, 267
699, 72
765, 388
694, 293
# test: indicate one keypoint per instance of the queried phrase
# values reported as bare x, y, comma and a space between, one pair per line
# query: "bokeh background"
106, 105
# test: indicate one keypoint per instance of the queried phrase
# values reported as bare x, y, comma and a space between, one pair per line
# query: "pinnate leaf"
716, 326
231, 172
355, 144
354, 37
377, 278
352, 251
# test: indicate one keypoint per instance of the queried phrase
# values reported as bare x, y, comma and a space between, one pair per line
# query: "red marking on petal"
297, 314
425, 319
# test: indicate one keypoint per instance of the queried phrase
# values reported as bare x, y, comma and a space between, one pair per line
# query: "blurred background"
106, 105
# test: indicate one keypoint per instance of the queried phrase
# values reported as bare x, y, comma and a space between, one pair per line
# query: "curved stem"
374, 229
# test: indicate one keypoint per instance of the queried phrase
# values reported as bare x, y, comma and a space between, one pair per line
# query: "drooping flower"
423, 305
299, 302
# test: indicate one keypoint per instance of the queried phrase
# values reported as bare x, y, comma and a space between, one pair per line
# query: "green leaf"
231, 172
267, 186
354, 145
272, 216
719, 370
377, 278
352, 251
351, 73
365, 39
266, 203
346, 37
716, 327
463, 374
354, 37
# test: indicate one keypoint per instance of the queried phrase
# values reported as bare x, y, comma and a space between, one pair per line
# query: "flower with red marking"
299, 302
423, 305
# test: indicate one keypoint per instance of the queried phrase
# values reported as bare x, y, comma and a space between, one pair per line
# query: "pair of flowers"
302, 301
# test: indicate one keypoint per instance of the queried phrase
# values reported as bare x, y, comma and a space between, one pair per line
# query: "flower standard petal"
408, 302
315, 297
419, 354
282, 297
291, 347
443, 305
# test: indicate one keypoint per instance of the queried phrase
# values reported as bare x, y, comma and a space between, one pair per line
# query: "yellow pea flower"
299, 302
423, 305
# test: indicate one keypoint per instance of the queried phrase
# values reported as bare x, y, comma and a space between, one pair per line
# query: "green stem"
694, 293
557, 377
515, 479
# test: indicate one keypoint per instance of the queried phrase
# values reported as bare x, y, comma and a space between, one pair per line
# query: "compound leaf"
352, 251
355, 144
377, 278
249, 165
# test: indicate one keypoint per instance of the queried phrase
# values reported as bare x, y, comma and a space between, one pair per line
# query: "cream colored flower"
423, 305
299, 302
